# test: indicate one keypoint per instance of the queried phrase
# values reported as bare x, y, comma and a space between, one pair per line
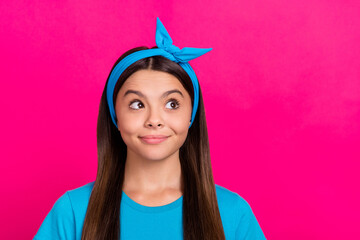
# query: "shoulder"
231, 207
65, 215
79, 200
80, 196
229, 199
237, 216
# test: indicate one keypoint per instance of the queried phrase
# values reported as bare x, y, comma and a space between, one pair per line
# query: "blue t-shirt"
66, 218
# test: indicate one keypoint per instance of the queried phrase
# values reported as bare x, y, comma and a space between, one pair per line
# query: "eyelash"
170, 100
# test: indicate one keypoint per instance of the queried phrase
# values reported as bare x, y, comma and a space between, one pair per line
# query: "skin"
153, 171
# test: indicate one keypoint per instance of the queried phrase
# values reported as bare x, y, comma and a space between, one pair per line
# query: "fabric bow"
164, 41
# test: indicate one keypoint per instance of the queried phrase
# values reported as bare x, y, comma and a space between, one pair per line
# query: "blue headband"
166, 49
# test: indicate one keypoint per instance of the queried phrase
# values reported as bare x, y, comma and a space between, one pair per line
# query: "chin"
155, 155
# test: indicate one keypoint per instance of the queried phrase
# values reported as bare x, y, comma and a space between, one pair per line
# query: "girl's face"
149, 105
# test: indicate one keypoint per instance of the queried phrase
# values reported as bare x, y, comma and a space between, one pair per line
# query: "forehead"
151, 80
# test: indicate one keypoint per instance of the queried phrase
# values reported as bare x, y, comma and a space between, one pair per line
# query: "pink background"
281, 90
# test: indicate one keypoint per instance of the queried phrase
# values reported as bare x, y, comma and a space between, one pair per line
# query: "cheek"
128, 123
181, 135
180, 124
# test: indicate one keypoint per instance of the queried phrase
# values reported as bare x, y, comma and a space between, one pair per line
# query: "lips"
153, 139
154, 136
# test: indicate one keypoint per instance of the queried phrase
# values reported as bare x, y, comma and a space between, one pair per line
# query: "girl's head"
154, 95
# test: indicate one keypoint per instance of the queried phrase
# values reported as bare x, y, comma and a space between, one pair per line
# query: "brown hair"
201, 217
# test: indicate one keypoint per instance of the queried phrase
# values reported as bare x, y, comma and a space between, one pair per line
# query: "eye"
135, 103
174, 104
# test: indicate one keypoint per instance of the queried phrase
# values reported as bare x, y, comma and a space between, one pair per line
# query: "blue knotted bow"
164, 41
166, 49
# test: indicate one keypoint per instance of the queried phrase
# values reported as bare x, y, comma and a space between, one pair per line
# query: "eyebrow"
165, 94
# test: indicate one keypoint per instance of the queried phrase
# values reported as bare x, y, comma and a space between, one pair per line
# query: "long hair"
201, 217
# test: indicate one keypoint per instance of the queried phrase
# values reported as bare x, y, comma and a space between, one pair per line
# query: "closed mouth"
154, 137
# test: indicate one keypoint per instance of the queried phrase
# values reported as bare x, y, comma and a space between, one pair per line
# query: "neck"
152, 175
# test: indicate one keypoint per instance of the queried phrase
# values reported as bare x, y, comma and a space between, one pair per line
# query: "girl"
154, 178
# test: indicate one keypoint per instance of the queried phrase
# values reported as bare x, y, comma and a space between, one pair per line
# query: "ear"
117, 123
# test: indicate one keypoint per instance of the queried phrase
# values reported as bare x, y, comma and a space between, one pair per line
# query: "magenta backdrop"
281, 90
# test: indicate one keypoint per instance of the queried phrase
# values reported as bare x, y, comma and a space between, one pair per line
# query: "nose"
154, 120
